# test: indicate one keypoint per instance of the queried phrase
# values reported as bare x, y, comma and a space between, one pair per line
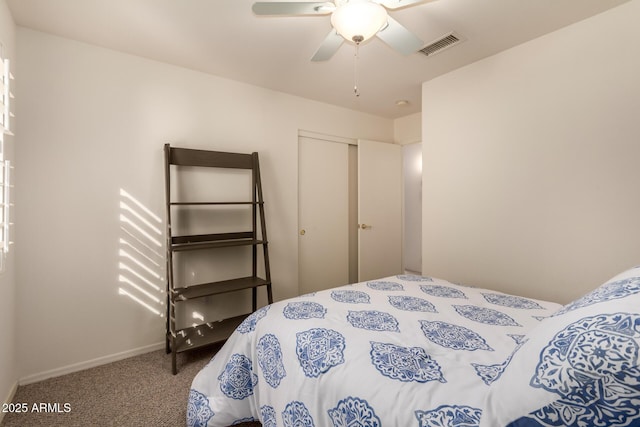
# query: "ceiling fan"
352, 20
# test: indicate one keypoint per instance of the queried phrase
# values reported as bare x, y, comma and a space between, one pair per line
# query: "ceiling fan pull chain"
355, 72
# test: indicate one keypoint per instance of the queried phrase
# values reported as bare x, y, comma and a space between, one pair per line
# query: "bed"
419, 351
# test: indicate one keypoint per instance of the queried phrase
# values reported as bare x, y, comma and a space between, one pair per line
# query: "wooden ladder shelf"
189, 338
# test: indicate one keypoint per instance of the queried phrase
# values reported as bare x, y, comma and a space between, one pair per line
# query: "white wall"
408, 129
8, 371
408, 132
531, 162
412, 207
93, 123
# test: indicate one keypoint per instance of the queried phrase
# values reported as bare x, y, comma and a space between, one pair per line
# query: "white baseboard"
9, 398
89, 364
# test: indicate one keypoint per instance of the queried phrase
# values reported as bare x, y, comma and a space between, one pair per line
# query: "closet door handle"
302, 232
364, 226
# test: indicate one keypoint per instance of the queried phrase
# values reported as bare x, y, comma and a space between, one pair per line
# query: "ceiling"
225, 38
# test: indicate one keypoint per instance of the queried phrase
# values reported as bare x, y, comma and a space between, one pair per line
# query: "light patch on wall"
140, 260
200, 318
140, 218
139, 301
418, 164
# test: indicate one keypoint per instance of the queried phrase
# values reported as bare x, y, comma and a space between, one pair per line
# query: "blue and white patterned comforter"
400, 351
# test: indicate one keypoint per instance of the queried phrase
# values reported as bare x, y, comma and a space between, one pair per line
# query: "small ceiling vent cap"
442, 43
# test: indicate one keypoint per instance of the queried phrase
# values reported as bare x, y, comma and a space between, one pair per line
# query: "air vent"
441, 44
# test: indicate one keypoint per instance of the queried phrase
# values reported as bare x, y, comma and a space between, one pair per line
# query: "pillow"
578, 367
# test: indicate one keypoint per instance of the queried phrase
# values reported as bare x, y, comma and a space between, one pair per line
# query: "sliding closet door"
323, 214
379, 210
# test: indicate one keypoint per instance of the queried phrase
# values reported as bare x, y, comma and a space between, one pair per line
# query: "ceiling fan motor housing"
358, 20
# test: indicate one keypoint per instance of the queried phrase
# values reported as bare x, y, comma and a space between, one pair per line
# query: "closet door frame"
353, 232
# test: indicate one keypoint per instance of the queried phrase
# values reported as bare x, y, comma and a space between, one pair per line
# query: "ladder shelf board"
205, 158
190, 246
205, 334
195, 238
221, 287
214, 203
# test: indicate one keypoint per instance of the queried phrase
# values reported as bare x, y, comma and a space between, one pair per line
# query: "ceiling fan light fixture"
359, 20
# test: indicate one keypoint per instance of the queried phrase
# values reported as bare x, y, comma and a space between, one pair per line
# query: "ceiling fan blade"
293, 8
329, 46
397, 4
399, 38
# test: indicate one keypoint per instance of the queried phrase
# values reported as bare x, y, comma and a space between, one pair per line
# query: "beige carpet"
139, 391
